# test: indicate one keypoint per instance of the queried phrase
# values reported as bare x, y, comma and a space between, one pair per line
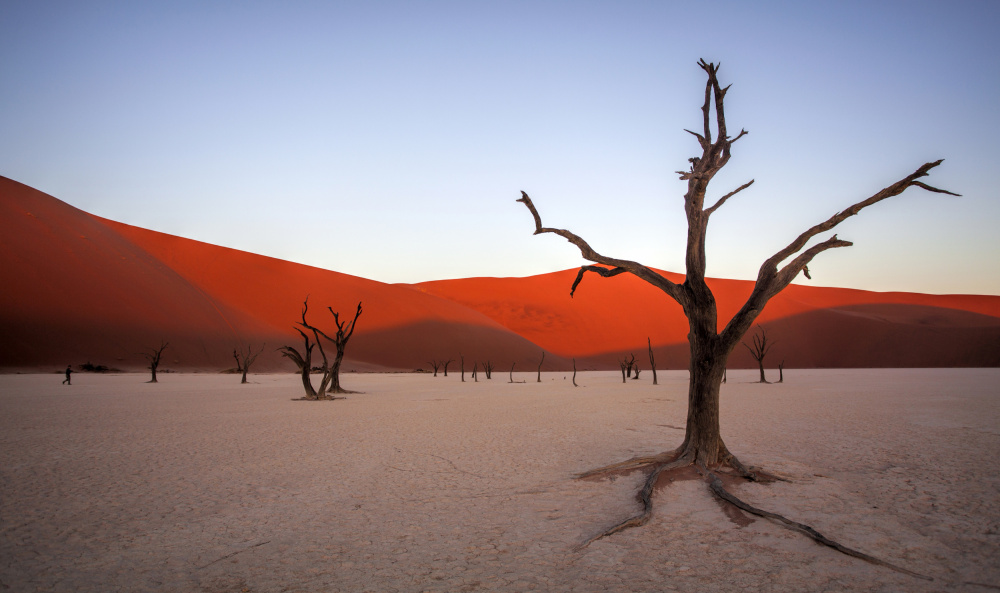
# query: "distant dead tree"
303, 360
445, 365
435, 365
462, 365
475, 365
635, 370
629, 364
781, 372
574, 373
710, 348
245, 358
153, 356
624, 365
759, 350
512, 372
652, 363
488, 369
540, 367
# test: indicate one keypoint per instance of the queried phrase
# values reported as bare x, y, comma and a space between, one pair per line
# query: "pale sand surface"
429, 484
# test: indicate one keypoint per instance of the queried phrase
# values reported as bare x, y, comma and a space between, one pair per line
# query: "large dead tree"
244, 358
710, 348
152, 355
759, 350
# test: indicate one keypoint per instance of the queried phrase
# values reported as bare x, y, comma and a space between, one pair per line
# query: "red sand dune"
81, 288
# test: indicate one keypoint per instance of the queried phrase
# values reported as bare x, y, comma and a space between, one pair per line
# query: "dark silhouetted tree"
710, 348
574, 373
303, 360
781, 372
652, 363
761, 345
153, 356
462, 365
245, 358
435, 365
488, 369
540, 367
445, 365
330, 383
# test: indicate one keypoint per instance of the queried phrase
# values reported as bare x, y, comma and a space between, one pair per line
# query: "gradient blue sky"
390, 139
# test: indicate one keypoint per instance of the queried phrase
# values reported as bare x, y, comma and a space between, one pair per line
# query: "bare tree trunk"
512, 371
781, 372
445, 364
245, 359
624, 366
540, 367
652, 363
574, 373
462, 364
475, 365
153, 356
303, 359
759, 350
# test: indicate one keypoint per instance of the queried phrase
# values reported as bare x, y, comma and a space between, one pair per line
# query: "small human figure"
67, 380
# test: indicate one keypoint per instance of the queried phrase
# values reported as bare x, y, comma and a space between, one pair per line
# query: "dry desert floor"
198, 483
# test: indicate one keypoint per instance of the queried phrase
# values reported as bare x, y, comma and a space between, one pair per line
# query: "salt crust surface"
198, 483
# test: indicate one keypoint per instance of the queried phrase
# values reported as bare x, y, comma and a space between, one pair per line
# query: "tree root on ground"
681, 466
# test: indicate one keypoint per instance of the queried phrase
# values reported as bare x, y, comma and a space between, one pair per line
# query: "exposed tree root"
716, 486
674, 462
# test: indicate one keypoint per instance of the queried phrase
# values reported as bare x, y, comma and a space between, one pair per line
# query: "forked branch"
588, 253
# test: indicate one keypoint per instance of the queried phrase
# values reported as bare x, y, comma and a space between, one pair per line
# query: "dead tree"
781, 372
624, 366
512, 371
303, 360
435, 365
540, 367
475, 365
574, 373
635, 371
445, 365
245, 358
488, 369
628, 365
330, 384
462, 365
759, 350
344, 332
153, 356
652, 363
710, 348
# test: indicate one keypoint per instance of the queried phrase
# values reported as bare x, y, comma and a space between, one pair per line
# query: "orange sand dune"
81, 288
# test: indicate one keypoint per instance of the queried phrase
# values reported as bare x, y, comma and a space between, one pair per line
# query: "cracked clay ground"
201, 484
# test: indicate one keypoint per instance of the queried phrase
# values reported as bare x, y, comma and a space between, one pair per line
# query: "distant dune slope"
80, 288
609, 317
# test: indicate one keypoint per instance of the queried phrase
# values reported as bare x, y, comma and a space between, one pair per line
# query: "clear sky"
390, 139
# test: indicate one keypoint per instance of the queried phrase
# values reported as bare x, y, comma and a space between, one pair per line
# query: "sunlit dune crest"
81, 288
